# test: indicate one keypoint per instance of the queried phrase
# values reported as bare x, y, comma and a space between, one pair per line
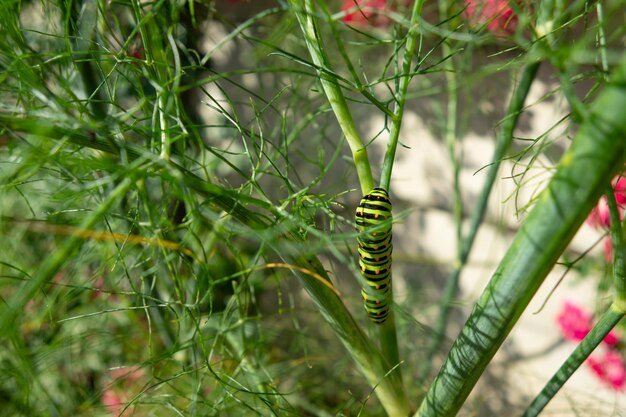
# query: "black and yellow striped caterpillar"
375, 252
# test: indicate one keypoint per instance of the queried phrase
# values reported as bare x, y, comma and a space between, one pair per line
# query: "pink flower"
366, 13
614, 369
611, 339
575, 323
496, 15
115, 398
599, 216
595, 365
610, 368
619, 188
113, 402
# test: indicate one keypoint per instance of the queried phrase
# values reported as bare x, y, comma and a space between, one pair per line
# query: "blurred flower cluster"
609, 365
495, 15
115, 397
365, 13
599, 217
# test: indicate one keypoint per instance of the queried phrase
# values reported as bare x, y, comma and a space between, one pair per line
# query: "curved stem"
374, 366
303, 12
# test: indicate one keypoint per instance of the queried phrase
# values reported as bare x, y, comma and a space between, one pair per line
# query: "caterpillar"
375, 252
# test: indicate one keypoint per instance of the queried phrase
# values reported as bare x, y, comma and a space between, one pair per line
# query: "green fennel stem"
597, 153
619, 250
505, 137
304, 14
401, 94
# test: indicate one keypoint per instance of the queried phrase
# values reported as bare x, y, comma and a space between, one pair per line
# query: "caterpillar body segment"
373, 221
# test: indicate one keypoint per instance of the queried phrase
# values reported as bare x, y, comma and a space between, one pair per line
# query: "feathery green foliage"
178, 191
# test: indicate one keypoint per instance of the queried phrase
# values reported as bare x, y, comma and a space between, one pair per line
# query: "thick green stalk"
388, 337
51, 264
303, 12
372, 364
609, 319
504, 139
597, 152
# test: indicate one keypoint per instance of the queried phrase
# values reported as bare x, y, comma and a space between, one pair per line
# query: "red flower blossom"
611, 339
599, 216
575, 323
610, 368
496, 15
113, 402
619, 188
366, 13
116, 394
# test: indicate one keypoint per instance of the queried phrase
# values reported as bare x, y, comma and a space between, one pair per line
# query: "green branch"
303, 12
619, 250
597, 152
401, 94
387, 331
504, 140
